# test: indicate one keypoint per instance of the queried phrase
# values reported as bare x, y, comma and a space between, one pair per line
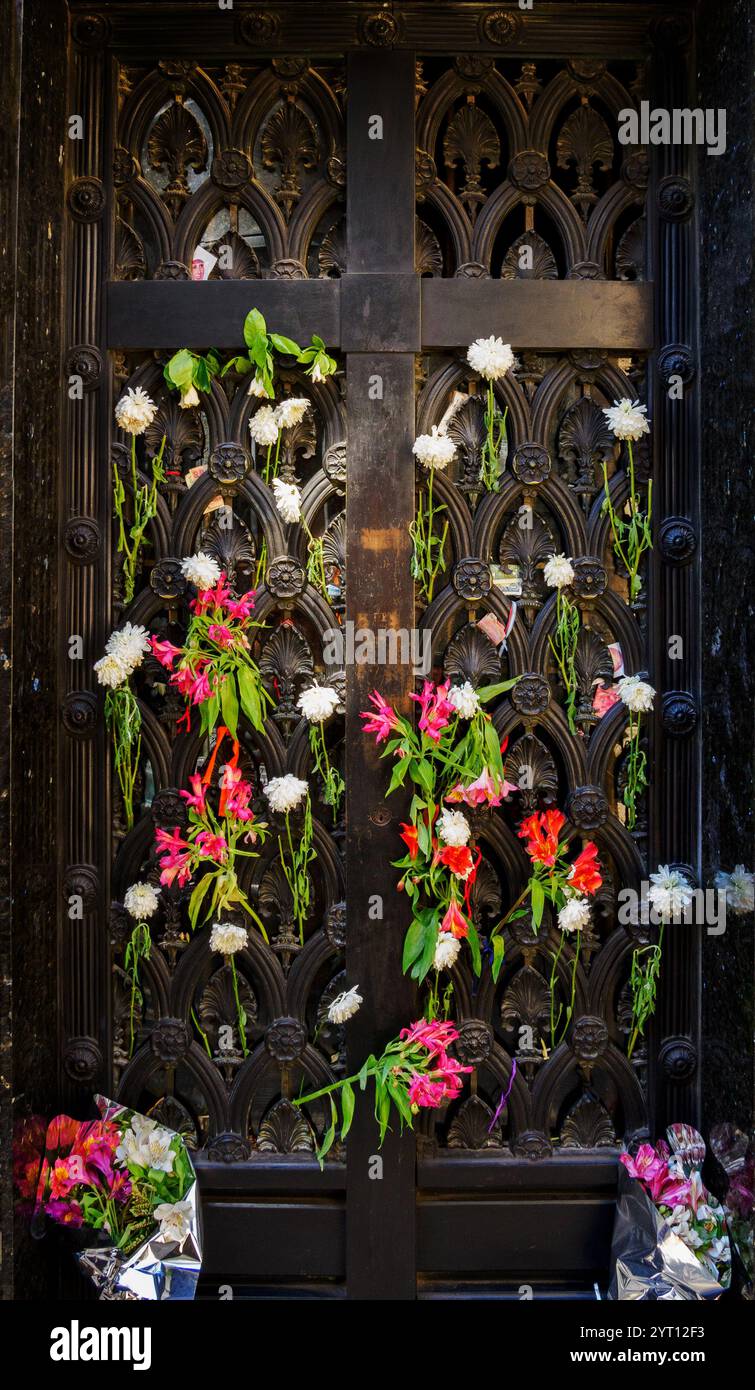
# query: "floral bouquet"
128, 1185
214, 668
413, 1073
735, 1153
670, 1239
454, 757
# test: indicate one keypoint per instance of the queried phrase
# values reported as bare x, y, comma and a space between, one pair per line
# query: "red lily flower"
410, 837
541, 831
457, 858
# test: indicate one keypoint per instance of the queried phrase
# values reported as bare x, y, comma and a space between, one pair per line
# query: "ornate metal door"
493, 196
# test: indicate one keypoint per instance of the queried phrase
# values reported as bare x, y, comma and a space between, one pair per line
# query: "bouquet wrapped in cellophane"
126, 1184
670, 1240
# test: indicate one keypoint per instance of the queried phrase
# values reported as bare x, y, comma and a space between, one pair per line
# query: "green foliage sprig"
144, 505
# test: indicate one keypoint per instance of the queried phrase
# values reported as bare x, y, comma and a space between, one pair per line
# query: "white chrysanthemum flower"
291, 411
135, 411
285, 793
446, 951
130, 644
287, 500
201, 570
189, 398
558, 572
636, 694
175, 1221
739, 887
318, 702
574, 915
669, 892
226, 938
434, 450
464, 700
626, 419
263, 426
453, 827
141, 901
111, 671
490, 358
345, 1005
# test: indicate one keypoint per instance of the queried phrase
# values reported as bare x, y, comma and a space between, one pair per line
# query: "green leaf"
196, 899
422, 965
285, 345
538, 902
318, 342
474, 946
493, 750
398, 776
423, 770
250, 699
489, 692
254, 327
413, 942
230, 705
201, 378
383, 1108
499, 946
347, 1108
179, 371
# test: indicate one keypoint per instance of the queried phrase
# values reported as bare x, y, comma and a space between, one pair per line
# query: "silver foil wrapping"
648, 1259
157, 1270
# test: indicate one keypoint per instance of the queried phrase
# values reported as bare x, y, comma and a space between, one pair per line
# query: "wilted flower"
574, 915
189, 398
141, 901
636, 694
464, 700
558, 572
226, 938
669, 892
263, 426
453, 827
626, 419
490, 358
287, 500
175, 1220
317, 374
345, 1005
256, 387
739, 887
201, 570
135, 411
434, 450
318, 702
446, 951
285, 793
291, 411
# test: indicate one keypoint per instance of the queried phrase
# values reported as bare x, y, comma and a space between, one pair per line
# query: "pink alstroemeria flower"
381, 723
65, 1213
197, 797
215, 597
218, 632
165, 652
435, 1035
437, 711
200, 689
212, 846
646, 1165
176, 860
486, 790
241, 607
425, 1094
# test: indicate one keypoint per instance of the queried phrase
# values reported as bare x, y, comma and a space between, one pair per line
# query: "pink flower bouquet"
127, 1183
